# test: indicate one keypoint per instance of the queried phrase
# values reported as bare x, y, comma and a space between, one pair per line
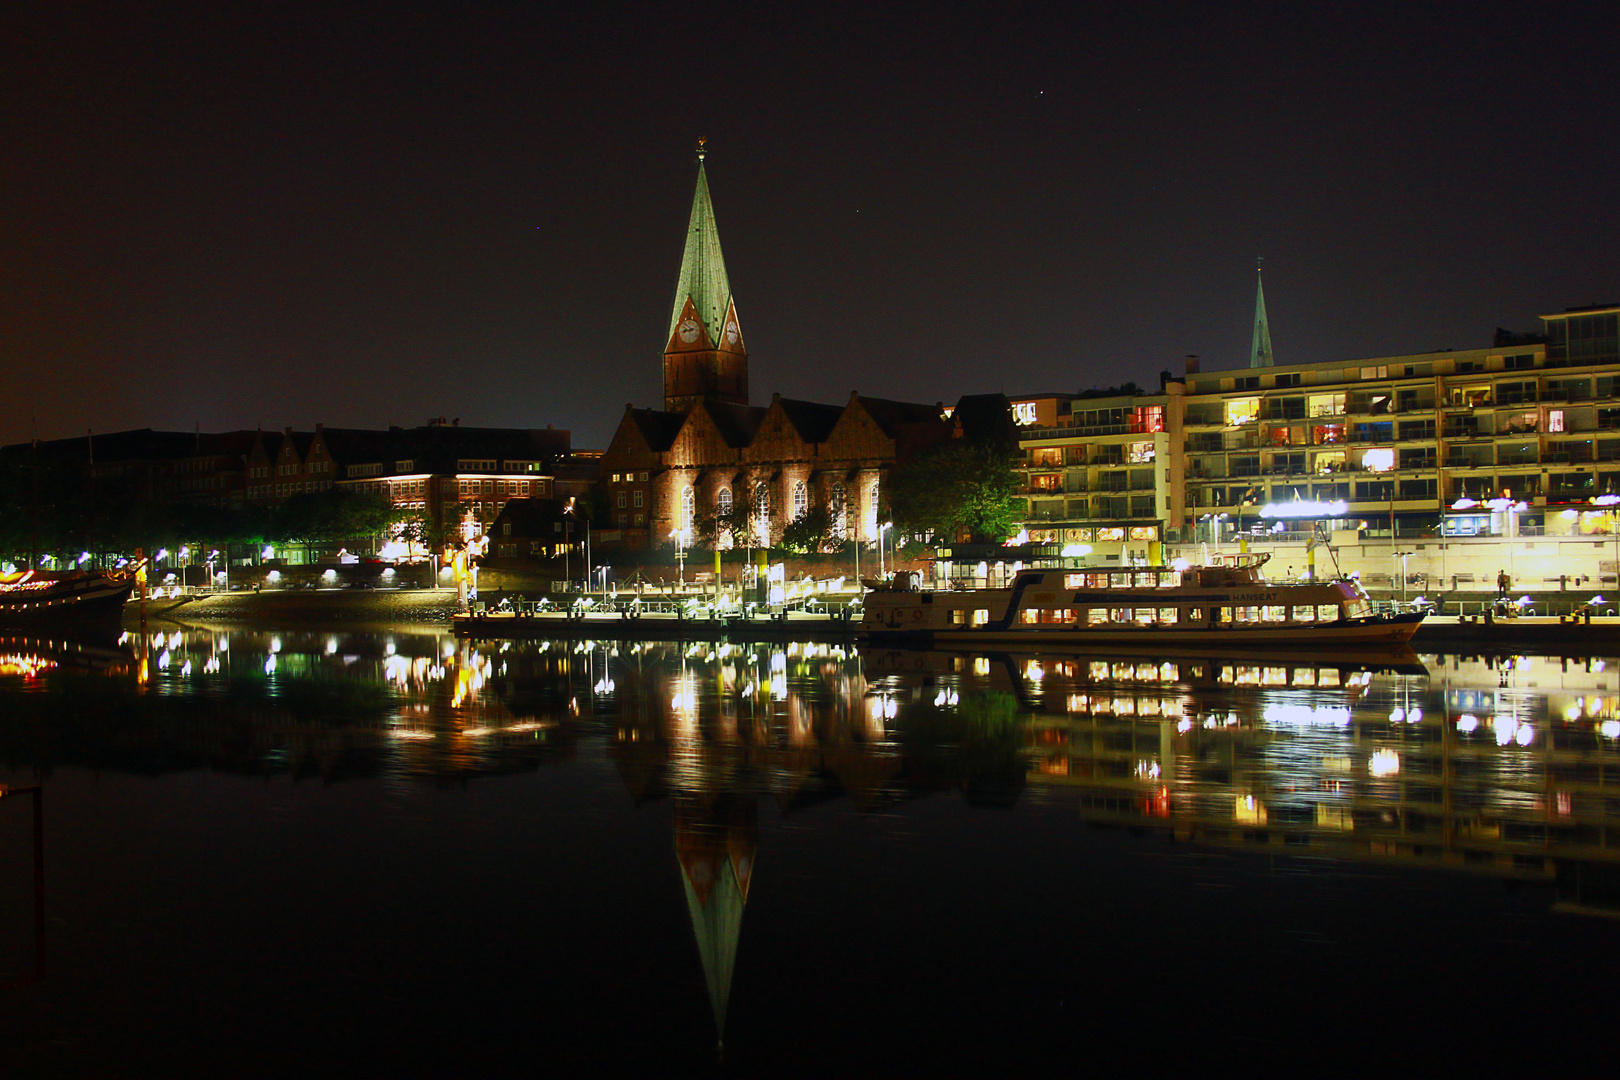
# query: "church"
711, 455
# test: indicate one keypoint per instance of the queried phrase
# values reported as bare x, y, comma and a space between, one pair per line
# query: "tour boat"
77, 601
1226, 601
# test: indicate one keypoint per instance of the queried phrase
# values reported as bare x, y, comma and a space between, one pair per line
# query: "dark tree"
956, 490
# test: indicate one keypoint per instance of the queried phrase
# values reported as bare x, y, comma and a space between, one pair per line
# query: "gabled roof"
143, 444
530, 517
986, 418
228, 444
737, 423
356, 446
657, 427
703, 267
813, 420
891, 416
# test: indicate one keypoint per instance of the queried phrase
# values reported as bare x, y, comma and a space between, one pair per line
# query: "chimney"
1192, 363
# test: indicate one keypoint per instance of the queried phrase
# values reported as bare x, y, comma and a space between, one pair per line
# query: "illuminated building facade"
1415, 446
1101, 470
710, 456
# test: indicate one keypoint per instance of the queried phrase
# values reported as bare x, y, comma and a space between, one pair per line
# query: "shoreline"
414, 607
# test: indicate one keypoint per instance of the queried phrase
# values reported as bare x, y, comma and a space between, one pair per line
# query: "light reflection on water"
1496, 761
1485, 764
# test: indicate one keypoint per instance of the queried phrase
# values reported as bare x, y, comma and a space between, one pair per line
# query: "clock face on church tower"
688, 330
731, 333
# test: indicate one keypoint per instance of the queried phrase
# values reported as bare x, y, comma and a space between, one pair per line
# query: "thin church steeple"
1260, 352
705, 356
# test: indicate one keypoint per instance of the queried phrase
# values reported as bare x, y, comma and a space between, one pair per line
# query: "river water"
271, 851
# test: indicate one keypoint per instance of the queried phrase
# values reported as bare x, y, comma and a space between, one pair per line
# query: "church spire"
1260, 353
705, 358
703, 268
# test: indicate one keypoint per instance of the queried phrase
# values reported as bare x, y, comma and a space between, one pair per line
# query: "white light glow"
1384, 763
1336, 508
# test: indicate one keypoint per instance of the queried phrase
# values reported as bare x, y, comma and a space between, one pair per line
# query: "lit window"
1242, 411
1555, 419
1379, 460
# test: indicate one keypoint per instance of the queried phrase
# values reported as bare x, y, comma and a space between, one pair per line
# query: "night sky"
272, 214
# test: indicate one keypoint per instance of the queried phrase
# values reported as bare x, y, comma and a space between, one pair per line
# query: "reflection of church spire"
716, 852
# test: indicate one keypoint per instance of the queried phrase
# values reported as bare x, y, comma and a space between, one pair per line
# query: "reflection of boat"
1051, 679
79, 601
1226, 603
1391, 659
30, 657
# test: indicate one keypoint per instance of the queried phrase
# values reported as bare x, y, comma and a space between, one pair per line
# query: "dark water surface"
270, 852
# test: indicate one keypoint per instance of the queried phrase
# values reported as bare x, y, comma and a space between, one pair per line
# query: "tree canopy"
956, 490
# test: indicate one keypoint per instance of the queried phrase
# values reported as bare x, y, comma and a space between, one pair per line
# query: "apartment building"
1102, 469
1516, 439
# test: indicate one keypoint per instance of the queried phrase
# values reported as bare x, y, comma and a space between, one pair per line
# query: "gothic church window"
801, 500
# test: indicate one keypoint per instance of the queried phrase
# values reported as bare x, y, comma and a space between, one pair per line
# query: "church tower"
705, 358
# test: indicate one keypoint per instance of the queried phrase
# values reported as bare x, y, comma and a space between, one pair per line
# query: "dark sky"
267, 214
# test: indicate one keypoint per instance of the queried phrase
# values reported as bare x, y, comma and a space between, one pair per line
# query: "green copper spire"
1260, 355
703, 268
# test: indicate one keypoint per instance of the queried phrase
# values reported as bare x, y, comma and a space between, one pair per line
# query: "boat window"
1144, 615
1327, 612
1168, 614
1307, 613
1074, 581
1275, 676
1359, 609
1249, 614
1097, 616
1124, 671
1168, 672
981, 616
1195, 614
1275, 613
958, 616
1170, 580
1119, 614
1327, 677
1223, 614
1031, 615
1119, 581
1304, 676
1099, 671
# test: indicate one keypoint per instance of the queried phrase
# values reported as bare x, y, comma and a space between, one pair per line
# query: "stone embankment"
356, 609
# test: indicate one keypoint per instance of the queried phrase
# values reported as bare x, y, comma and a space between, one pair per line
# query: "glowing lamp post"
681, 536
1611, 503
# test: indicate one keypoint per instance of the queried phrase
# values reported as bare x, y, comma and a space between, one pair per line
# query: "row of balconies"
1352, 415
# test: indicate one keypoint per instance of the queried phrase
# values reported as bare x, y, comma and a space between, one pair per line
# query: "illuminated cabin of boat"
1228, 598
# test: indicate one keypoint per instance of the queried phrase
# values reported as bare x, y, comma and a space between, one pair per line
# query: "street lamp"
681, 536
1611, 502
885, 527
